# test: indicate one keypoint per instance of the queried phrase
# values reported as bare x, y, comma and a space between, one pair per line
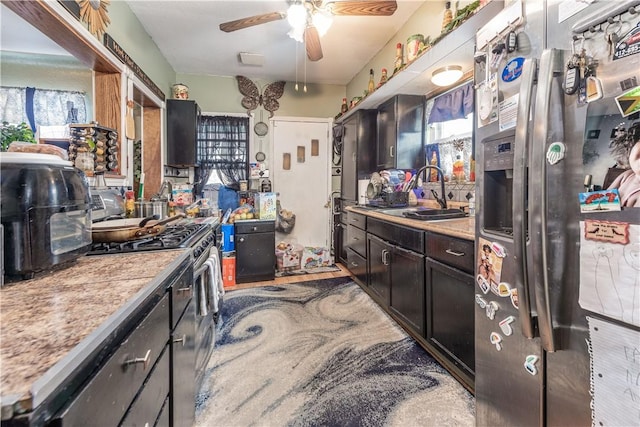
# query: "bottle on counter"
399, 62
344, 107
129, 203
433, 173
472, 206
472, 170
458, 169
372, 84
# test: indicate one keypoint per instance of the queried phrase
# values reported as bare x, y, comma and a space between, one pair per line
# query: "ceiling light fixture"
322, 21
297, 16
446, 76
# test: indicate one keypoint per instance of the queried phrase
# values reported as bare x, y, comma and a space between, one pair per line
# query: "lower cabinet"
255, 251
183, 374
396, 276
357, 265
450, 320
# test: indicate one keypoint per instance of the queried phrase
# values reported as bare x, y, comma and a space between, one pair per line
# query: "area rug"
322, 353
314, 270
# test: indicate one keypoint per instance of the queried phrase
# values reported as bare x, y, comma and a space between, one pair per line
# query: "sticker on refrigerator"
606, 231
504, 289
489, 264
555, 152
629, 102
508, 113
513, 69
599, 201
610, 275
530, 364
514, 298
628, 44
488, 100
496, 339
505, 325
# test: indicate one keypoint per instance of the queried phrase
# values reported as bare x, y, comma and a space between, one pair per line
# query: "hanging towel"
216, 287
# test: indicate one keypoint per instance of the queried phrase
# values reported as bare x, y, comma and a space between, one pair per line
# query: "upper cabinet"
183, 116
401, 133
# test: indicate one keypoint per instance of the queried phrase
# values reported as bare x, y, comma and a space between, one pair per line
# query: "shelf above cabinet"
456, 48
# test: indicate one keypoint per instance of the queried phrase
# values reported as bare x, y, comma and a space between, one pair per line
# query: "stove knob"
197, 251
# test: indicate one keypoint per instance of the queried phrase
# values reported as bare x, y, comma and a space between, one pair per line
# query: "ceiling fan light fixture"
322, 21
446, 76
297, 16
297, 34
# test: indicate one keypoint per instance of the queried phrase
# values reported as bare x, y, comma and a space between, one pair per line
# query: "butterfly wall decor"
252, 97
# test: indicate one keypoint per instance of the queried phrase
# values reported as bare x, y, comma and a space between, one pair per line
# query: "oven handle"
198, 283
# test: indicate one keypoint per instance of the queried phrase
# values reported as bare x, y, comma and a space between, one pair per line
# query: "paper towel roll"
362, 191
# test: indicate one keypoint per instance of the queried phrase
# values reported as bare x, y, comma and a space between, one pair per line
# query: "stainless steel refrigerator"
538, 145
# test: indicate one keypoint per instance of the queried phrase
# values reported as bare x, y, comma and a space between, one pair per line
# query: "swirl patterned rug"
322, 353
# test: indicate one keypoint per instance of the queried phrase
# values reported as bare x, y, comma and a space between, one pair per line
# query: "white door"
303, 183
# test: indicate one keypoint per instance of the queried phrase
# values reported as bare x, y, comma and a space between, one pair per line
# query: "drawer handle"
144, 360
355, 264
187, 289
354, 238
454, 253
183, 340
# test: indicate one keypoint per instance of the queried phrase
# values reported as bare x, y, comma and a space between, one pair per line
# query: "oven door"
208, 290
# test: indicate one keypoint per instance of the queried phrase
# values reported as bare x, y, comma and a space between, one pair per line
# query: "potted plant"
11, 133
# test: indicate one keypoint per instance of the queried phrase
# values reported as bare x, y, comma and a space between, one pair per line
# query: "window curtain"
455, 104
42, 107
223, 147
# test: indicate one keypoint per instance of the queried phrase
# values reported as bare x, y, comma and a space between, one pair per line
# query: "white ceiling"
188, 35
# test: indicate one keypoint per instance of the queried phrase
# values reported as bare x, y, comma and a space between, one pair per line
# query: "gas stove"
175, 236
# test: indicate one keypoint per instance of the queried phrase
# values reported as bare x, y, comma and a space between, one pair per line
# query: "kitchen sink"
434, 214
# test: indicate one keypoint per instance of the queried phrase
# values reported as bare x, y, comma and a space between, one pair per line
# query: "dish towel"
216, 287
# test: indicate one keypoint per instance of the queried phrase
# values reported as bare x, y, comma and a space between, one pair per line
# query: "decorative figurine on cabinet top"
180, 91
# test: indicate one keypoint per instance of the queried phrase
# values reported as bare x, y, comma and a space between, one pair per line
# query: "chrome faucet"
441, 201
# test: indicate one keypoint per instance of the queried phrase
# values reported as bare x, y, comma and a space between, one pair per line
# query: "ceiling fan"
311, 18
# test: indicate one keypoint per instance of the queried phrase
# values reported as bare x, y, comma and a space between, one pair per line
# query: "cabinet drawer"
181, 294
357, 240
453, 251
148, 405
357, 265
408, 238
118, 381
357, 220
244, 227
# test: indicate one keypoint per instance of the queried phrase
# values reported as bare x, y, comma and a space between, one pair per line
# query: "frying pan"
124, 230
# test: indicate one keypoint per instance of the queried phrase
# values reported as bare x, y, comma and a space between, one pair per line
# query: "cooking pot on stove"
45, 208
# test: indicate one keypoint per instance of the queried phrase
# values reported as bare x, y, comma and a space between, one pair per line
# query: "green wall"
129, 33
220, 94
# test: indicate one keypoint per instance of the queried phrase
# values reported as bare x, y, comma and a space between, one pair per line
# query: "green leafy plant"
11, 133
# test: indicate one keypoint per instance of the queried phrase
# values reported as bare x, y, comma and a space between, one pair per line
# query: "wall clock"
94, 14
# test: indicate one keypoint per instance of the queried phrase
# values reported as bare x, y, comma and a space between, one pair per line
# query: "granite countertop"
463, 228
43, 319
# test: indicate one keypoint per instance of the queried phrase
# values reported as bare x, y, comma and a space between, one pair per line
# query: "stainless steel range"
207, 279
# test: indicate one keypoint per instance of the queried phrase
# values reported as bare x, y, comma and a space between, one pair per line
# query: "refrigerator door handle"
551, 68
519, 203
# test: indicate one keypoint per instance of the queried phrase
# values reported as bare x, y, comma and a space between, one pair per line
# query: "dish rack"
396, 199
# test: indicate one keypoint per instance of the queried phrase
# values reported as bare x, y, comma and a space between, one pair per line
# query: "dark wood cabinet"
255, 250
183, 116
400, 133
358, 144
450, 299
396, 267
356, 246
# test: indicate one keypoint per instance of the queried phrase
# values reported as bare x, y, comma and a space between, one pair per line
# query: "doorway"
302, 177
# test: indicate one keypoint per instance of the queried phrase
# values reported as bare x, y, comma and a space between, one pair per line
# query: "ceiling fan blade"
362, 8
312, 43
239, 24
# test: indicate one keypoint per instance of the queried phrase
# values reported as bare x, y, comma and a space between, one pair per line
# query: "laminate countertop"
45, 322
463, 228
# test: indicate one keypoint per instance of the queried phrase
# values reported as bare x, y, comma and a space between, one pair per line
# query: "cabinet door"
378, 260
407, 287
450, 314
255, 257
183, 368
182, 132
357, 265
386, 135
349, 147
409, 153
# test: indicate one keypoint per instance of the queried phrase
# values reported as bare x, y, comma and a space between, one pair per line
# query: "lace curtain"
223, 148
42, 107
